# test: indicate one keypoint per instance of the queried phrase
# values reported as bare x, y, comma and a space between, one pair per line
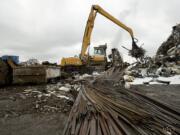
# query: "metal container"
35, 74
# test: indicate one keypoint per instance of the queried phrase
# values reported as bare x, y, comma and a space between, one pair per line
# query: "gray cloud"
52, 29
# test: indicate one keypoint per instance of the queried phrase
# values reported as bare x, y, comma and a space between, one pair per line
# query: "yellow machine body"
98, 58
71, 61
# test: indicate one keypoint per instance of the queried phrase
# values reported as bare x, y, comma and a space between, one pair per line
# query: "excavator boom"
90, 24
113, 19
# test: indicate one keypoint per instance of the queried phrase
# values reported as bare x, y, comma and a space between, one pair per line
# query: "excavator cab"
99, 56
100, 50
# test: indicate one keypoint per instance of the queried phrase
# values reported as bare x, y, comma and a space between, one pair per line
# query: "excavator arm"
90, 24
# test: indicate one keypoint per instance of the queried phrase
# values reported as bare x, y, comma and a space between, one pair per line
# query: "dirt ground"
23, 111
166, 94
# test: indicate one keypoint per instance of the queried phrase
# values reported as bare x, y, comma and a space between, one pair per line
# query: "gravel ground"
32, 110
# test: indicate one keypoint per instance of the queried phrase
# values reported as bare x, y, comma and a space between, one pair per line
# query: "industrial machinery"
85, 62
97, 61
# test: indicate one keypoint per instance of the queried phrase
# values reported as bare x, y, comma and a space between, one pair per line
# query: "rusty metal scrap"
172, 41
101, 109
136, 51
104, 107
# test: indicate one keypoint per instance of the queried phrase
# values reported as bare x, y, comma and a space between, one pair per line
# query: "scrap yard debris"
30, 62
101, 97
102, 109
49, 98
136, 51
105, 107
163, 68
172, 41
106, 103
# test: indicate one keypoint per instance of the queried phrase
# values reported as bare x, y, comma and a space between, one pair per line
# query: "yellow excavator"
99, 59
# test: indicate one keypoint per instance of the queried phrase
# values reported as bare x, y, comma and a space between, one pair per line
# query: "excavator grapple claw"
136, 51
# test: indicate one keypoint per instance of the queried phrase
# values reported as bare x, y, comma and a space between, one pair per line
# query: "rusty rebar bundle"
101, 109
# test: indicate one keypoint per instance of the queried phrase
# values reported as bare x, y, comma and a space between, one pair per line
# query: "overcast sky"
52, 29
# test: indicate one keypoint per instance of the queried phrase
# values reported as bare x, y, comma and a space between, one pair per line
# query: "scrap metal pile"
136, 51
172, 41
102, 109
105, 107
165, 64
168, 54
